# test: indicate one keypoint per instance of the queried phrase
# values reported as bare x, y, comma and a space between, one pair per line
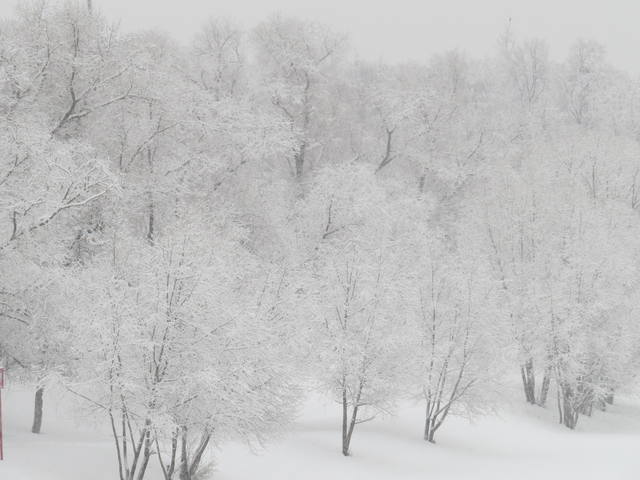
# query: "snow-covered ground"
525, 443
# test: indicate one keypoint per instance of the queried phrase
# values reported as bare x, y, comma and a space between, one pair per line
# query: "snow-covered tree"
294, 58
458, 338
352, 285
188, 344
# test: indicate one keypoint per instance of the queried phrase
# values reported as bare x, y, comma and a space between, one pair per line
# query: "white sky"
398, 30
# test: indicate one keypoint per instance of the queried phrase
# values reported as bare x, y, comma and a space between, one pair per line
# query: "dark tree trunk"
570, 418
586, 398
346, 438
146, 453
185, 474
559, 398
168, 469
151, 222
347, 425
299, 158
345, 419
529, 381
37, 410
570, 414
197, 455
429, 429
609, 397
544, 389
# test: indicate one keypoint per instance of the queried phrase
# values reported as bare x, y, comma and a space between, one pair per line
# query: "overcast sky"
398, 30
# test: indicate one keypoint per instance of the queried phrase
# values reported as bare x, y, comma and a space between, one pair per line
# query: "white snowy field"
523, 444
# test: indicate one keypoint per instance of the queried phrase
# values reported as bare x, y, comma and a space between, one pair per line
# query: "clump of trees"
194, 234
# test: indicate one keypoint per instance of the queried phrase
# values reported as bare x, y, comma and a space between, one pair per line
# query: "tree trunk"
345, 417
570, 419
347, 425
585, 397
152, 214
529, 381
346, 439
168, 469
185, 474
586, 400
429, 429
544, 389
151, 221
560, 419
306, 116
146, 453
37, 411
609, 397
199, 452
299, 159
570, 414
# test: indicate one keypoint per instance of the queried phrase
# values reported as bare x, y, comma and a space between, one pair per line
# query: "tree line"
194, 237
